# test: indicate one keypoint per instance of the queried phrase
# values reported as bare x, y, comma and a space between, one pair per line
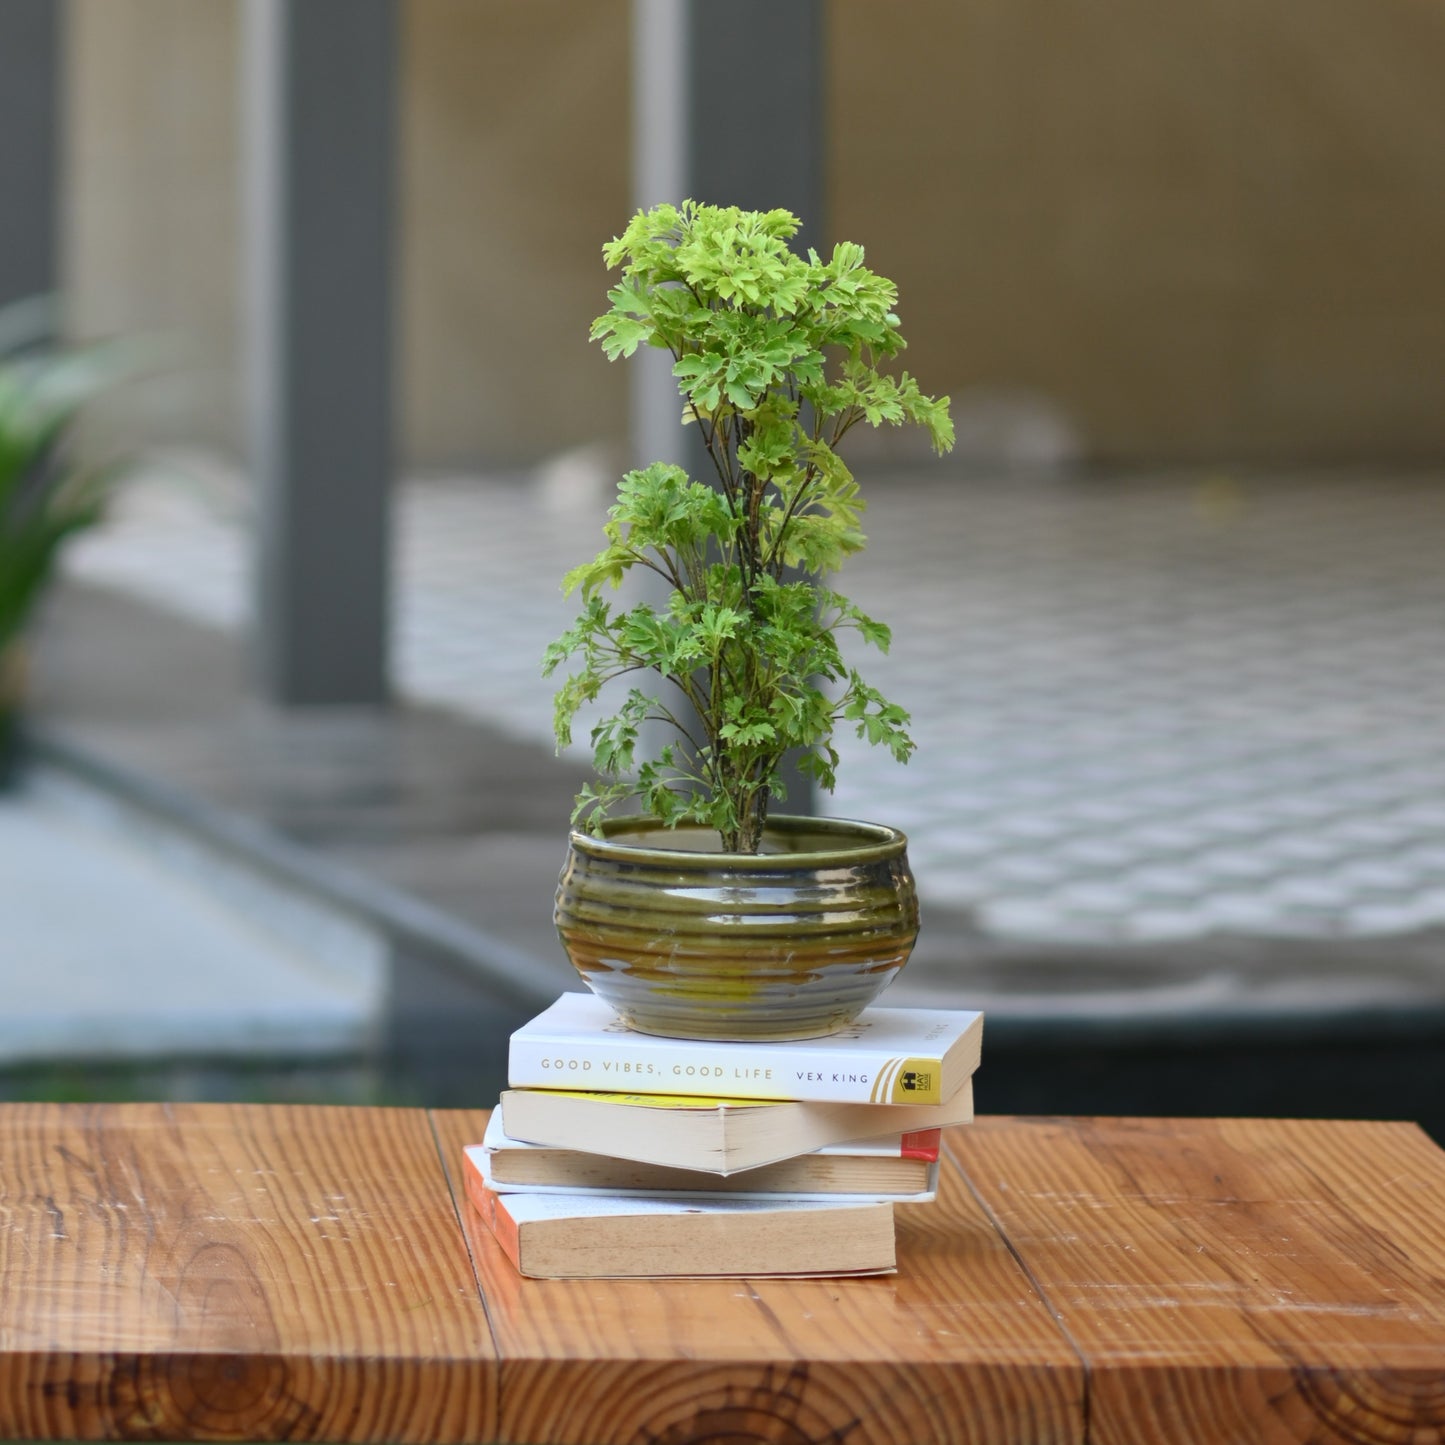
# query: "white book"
872, 1169
570, 1236
886, 1056
720, 1135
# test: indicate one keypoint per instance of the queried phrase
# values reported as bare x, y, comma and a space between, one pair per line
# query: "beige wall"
1200, 228
514, 172
150, 206
1195, 230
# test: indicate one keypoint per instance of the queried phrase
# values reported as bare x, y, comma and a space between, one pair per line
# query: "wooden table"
268, 1273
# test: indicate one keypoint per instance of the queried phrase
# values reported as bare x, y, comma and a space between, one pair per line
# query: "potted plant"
45, 496
707, 916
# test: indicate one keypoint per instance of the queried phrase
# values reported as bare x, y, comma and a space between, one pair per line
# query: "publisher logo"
907, 1081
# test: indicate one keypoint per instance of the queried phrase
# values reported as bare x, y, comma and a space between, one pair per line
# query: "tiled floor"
1153, 709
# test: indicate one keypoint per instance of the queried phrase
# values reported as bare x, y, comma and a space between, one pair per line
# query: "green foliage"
44, 497
777, 358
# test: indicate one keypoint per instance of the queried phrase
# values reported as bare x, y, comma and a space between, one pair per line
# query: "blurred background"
1182, 234
1168, 619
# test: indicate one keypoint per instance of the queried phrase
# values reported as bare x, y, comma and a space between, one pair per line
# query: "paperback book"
570, 1236
722, 1135
887, 1056
903, 1168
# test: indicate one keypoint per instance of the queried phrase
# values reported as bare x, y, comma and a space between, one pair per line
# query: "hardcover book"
570, 1236
886, 1056
721, 1135
903, 1168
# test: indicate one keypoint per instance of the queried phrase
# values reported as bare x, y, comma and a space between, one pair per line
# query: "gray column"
661, 115
755, 100
319, 92
30, 61
727, 109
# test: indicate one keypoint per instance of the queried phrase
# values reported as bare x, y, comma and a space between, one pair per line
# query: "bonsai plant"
45, 496
777, 358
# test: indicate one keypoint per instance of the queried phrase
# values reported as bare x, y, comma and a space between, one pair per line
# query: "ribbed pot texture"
699, 944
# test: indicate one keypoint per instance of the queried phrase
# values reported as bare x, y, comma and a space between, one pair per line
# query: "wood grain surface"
1233, 1280
248, 1273
269, 1273
956, 1346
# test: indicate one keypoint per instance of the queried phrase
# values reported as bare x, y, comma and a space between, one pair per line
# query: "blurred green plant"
777, 357
46, 494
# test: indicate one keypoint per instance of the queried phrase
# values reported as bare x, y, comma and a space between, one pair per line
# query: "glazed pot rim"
851, 840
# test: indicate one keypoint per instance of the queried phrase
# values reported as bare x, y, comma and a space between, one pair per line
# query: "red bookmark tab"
921, 1144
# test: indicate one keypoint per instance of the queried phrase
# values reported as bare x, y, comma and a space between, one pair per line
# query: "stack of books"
615, 1153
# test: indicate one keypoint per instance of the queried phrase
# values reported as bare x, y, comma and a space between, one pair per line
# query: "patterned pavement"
1151, 709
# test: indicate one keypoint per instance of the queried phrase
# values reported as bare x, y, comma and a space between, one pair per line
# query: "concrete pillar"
30, 62
727, 109
755, 107
319, 95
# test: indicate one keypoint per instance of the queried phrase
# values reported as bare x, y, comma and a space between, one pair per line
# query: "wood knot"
772, 1412
242, 1397
1388, 1407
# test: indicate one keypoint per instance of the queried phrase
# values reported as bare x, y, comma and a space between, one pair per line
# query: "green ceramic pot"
682, 940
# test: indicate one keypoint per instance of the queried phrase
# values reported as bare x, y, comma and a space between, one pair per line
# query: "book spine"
495, 1216
735, 1069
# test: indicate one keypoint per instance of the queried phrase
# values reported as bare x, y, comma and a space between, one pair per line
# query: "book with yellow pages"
900, 1167
571, 1236
887, 1056
722, 1135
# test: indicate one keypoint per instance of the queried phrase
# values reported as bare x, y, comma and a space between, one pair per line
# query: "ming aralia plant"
777, 358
